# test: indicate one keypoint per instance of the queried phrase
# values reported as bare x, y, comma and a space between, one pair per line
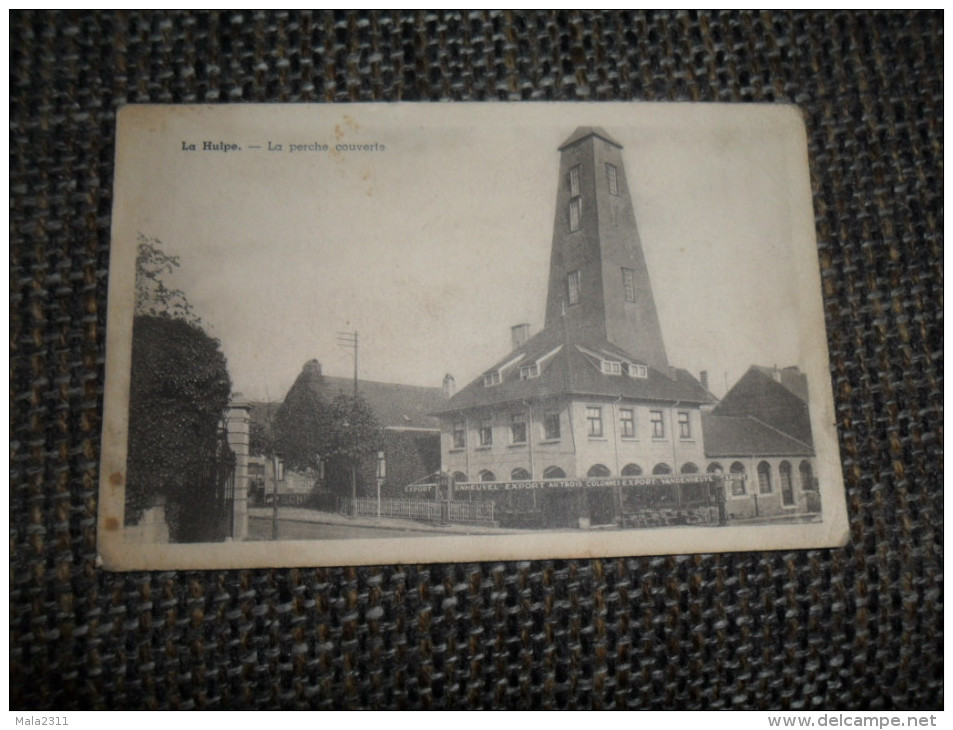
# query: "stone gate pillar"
238, 427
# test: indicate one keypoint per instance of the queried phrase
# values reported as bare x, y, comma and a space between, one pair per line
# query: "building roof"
395, 406
773, 396
582, 132
746, 436
569, 365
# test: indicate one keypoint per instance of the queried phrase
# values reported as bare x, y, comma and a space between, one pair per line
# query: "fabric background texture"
858, 627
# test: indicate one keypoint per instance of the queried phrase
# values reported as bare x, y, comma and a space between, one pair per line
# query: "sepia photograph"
368, 334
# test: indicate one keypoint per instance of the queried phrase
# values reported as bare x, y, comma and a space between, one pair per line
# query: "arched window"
715, 468
459, 476
598, 470
764, 478
632, 470
519, 475
738, 484
662, 469
787, 489
807, 476
487, 476
689, 468
554, 472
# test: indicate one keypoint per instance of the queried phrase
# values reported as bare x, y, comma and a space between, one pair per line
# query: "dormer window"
529, 371
491, 378
612, 367
638, 371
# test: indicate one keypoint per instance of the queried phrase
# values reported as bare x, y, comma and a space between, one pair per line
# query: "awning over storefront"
586, 483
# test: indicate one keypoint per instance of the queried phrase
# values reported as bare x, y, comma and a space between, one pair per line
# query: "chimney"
703, 377
520, 334
449, 385
776, 374
313, 367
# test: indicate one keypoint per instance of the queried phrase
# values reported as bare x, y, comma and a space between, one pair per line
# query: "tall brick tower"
598, 280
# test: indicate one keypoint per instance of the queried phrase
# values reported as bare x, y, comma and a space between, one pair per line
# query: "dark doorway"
559, 508
601, 506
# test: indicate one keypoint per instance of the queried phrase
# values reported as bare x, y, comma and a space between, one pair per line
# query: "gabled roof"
571, 371
395, 406
582, 132
776, 397
746, 436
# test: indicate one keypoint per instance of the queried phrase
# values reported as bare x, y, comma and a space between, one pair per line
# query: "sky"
432, 247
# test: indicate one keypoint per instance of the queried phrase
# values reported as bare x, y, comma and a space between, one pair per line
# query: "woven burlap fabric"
858, 627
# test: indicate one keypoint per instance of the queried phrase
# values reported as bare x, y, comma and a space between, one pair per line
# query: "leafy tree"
179, 389
153, 296
310, 428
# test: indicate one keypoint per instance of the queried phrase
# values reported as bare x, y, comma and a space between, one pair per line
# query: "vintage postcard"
376, 334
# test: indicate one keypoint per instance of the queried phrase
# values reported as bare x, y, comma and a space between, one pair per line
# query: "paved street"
259, 528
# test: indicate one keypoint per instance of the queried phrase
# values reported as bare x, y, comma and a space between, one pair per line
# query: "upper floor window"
573, 286
612, 177
627, 422
612, 367
658, 424
638, 371
486, 432
529, 371
628, 284
518, 428
551, 426
594, 421
684, 425
459, 435
492, 378
764, 478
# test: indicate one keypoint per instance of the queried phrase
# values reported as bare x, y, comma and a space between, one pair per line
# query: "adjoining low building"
411, 438
759, 434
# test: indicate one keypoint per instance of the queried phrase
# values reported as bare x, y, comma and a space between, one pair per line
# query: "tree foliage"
178, 454
179, 390
153, 296
338, 432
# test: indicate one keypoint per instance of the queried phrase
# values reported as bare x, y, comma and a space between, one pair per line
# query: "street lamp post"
381, 473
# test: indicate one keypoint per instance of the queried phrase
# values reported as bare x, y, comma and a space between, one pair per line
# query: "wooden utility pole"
350, 340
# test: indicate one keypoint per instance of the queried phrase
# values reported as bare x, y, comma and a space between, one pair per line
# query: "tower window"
628, 284
575, 213
575, 199
573, 284
612, 176
574, 181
